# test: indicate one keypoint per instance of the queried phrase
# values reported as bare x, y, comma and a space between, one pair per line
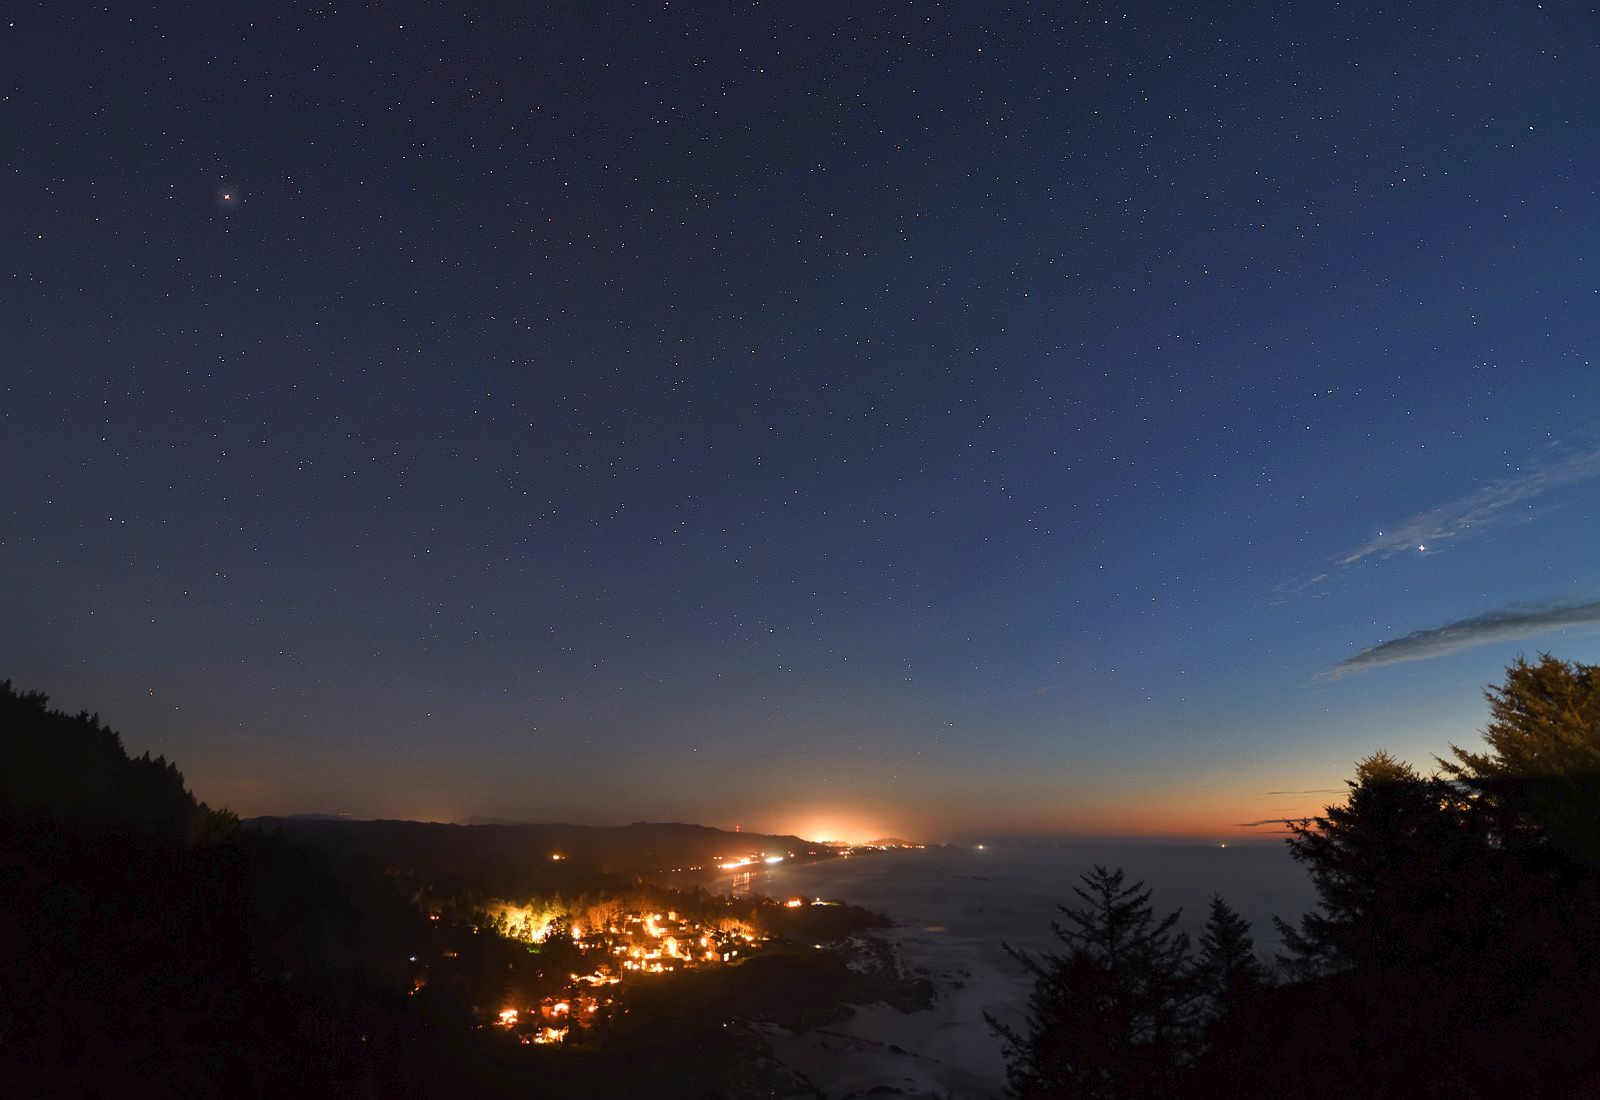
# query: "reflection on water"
740, 884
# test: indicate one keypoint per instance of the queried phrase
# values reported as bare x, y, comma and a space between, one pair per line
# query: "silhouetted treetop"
1379, 863
1544, 721
1228, 964
1112, 1017
73, 769
1380, 767
1542, 765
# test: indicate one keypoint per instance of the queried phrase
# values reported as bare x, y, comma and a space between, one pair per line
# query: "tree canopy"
1541, 765
1453, 950
1112, 1015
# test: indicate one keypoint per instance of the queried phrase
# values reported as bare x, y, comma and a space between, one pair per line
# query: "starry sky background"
937, 419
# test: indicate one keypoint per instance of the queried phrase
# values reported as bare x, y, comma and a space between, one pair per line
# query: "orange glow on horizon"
1186, 813
1219, 808
1208, 803
834, 825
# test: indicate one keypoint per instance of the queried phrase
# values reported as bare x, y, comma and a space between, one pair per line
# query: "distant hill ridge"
735, 842
508, 853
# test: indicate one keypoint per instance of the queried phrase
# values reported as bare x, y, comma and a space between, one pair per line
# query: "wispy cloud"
1477, 510
1313, 790
1492, 626
1268, 821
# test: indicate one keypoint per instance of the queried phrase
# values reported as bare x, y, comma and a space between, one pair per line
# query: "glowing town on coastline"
613, 943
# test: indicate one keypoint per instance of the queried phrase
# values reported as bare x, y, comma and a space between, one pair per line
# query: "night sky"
933, 419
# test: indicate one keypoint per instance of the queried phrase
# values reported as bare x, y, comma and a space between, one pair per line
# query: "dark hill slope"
513, 857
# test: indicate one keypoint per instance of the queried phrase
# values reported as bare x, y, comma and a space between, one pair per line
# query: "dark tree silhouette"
1233, 981
1443, 944
1228, 966
1386, 865
150, 943
557, 954
72, 769
1541, 769
1454, 949
1113, 1015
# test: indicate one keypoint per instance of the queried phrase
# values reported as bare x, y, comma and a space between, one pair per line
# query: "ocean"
954, 907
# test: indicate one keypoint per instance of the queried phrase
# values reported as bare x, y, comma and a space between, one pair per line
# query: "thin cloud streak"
1492, 626
1478, 509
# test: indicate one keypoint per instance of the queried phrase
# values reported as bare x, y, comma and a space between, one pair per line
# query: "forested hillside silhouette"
153, 946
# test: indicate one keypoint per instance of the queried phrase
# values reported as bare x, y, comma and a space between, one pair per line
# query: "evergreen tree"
1452, 942
1542, 767
1386, 866
1113, 1015
1228, 965
1235, 985
74, 769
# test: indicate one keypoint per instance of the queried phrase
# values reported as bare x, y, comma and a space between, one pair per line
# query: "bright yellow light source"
557, 856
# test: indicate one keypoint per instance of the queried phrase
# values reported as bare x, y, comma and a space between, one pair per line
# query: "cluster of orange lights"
556, 1018
738, 863
628, 943
667, 949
